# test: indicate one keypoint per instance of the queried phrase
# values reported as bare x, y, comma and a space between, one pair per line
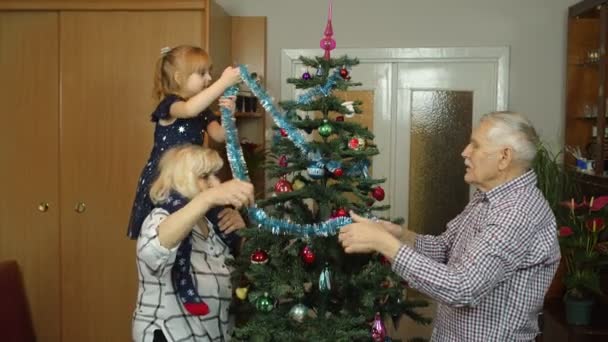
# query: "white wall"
534, 29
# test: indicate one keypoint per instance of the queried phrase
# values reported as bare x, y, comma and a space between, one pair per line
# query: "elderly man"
491, 268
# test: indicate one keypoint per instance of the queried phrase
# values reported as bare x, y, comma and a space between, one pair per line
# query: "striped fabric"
491, 268
158, 306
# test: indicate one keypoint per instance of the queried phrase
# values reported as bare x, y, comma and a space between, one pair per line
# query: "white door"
437, 105
425, 102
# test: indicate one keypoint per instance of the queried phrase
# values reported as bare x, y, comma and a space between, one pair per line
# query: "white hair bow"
165, 50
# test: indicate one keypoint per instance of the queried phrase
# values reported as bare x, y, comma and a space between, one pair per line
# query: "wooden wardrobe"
76, 92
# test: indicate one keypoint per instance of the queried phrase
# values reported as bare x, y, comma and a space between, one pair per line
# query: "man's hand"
396, 230
390, 227
366, 236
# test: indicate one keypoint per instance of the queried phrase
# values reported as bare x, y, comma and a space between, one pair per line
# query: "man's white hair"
515, 131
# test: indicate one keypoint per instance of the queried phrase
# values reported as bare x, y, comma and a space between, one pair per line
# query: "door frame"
497, 56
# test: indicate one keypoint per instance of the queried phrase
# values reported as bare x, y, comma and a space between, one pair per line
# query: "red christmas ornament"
283, 132
340, 118
383, 260
283, 185
356, 143
338, 172
308, 255
341, 212
283, 161
344, 73
378, 193
259, 256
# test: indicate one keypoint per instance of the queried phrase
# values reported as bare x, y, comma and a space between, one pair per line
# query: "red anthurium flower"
599, 203
595, 224
565, 231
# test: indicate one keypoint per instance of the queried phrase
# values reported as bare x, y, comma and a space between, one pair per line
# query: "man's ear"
506, 158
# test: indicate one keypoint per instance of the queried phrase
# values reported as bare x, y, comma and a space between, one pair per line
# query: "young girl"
183, 192
182, 83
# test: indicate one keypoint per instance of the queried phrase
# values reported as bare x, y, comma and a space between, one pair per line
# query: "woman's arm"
179, 224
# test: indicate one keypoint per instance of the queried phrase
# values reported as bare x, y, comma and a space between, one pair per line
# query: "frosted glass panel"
440, 129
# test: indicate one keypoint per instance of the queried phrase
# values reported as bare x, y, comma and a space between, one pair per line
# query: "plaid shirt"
491, 268
158, 306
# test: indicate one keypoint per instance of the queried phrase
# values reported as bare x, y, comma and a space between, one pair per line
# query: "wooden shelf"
591, 185
587, 118
587, 64
586, 75
248, 115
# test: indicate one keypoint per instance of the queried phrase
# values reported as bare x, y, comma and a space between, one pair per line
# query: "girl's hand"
230, 76
230, 221
228, 102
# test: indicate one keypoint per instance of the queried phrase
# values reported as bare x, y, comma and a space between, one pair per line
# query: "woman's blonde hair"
184, 59
180, 168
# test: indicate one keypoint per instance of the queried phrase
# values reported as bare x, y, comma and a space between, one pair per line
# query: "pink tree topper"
328, 43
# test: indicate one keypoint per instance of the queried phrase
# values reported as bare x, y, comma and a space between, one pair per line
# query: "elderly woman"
184, 282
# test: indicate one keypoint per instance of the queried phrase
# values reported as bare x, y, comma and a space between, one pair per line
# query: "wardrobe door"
29, 206
107, 67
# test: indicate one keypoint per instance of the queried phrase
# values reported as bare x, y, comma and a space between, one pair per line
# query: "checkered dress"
158, 306
491, 268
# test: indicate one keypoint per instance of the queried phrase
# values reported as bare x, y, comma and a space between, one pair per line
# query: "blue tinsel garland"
239, 169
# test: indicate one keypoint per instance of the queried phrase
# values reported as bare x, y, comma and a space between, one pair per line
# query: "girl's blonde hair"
180, 168
184, 59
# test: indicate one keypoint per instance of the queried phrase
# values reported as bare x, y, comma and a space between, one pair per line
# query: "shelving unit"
247, 46
586, 85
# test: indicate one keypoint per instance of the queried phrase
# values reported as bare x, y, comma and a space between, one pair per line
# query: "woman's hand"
230, 221
233, 192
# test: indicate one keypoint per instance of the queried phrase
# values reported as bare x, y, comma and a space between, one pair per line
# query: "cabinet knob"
80, 207
43, 207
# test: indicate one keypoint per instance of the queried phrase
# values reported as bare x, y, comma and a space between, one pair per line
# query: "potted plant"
554, 180
584, 251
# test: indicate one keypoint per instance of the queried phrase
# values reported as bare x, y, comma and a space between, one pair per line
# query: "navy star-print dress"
181, 131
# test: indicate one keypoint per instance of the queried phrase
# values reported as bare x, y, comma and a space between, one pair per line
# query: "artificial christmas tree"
318, 292
295, 283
